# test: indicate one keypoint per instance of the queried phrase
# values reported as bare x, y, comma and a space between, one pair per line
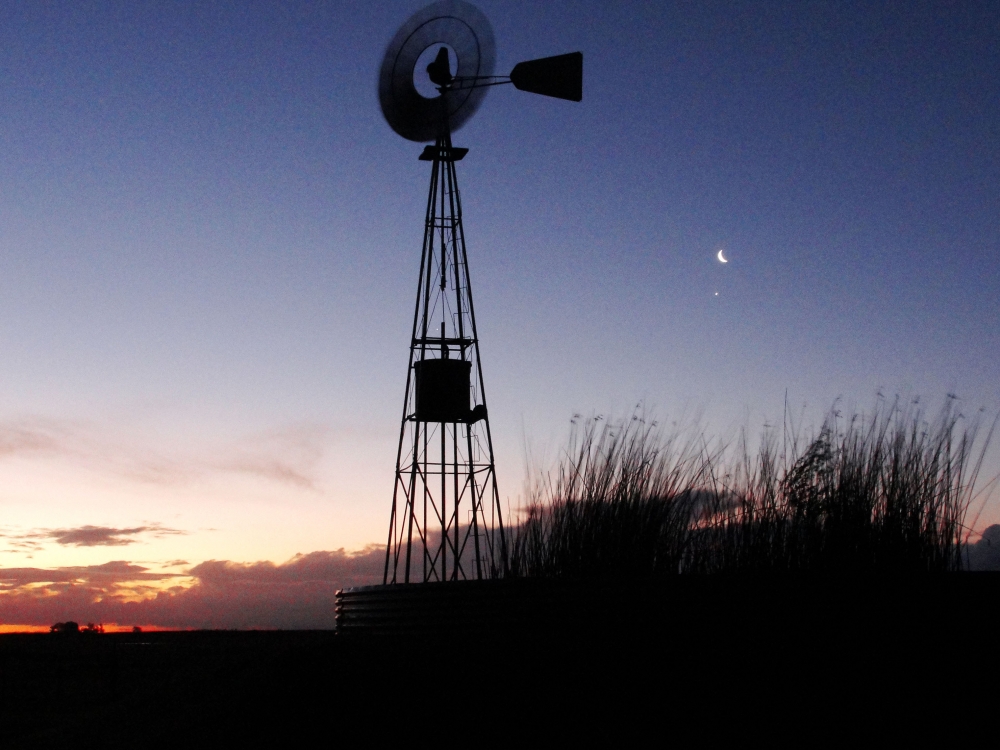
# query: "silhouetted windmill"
446, 521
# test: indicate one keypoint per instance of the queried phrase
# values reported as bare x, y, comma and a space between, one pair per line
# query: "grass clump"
889, 492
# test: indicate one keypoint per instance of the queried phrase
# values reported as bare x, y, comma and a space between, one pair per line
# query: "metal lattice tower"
446, 521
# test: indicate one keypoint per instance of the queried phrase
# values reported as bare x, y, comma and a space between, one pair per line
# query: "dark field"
708, 658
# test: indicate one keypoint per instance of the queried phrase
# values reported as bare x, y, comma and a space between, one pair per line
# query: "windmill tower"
446, 523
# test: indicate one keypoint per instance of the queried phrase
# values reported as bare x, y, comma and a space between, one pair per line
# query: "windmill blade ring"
456, 24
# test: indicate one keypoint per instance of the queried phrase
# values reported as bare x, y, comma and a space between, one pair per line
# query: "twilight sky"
209, 243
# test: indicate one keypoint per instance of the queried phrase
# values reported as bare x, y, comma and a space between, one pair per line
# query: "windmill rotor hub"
463, 30
439, 71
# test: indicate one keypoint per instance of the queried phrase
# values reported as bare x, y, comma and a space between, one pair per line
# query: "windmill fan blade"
560, 76
464, 29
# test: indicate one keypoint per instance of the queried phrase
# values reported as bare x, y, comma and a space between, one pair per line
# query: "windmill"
446, 522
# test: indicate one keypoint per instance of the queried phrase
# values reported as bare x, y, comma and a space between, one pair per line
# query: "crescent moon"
721, 258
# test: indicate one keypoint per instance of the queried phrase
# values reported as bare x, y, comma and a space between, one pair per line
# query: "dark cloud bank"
985, 554
299, 593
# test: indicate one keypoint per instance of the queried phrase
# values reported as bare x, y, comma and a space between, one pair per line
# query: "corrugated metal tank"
674, 606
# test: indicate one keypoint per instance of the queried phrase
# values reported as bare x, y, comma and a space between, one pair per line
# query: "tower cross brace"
446, 521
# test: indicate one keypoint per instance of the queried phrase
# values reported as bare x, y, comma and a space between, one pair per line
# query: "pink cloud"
287, 456
86, 536
37, 436
299, 593
97, 536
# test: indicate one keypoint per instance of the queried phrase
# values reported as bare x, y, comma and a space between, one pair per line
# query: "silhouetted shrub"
888, 492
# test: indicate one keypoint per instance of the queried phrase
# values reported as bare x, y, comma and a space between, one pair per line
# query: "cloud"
30, 436
105, 577
87, 536
288, 456
104, 536
315, 567
274, 470
22, 545
985, 554
299, 593
95, 536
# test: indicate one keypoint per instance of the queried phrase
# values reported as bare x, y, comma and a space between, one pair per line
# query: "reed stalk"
888, 492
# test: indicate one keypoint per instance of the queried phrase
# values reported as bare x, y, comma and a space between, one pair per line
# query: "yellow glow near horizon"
112, 627
23, 629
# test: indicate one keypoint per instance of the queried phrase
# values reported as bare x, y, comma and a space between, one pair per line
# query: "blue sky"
209, 242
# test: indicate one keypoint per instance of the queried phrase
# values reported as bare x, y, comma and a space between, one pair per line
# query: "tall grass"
886, 492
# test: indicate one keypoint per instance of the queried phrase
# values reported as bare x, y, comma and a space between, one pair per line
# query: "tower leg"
445, 455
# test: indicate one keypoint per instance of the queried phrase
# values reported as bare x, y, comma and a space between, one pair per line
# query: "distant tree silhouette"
65, 627
92, 628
